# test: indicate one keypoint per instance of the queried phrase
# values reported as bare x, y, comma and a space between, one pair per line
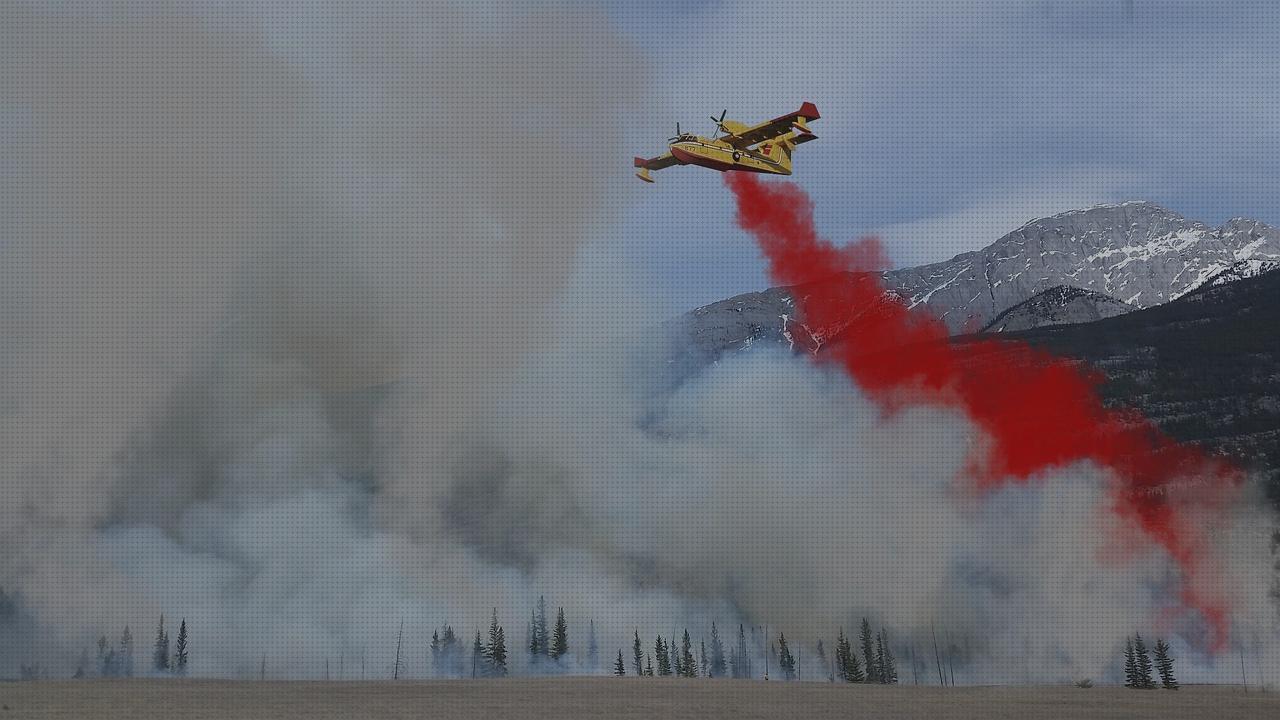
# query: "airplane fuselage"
723, 156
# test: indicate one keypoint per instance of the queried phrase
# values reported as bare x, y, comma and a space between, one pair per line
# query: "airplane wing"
665, 160
776, 127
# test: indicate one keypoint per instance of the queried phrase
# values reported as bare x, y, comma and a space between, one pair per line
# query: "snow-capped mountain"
1061, 305
1137, 252
1129, 256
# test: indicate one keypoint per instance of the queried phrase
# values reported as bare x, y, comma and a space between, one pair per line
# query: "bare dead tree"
395, 669
936, 657
1244, 680
951, 658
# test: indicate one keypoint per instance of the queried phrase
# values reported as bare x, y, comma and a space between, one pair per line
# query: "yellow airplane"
763, 148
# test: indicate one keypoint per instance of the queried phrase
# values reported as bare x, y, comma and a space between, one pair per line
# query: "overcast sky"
946, 125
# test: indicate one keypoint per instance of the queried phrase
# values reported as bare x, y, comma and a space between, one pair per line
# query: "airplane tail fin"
644, 175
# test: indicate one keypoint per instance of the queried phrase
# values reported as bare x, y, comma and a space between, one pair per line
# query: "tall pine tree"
664, 661
717, 668
180, 651
786, 662
879, 667
496, 650
1130, 664
868, 654
1144, 662
846, 661
688, 668
160, 657
744, 669
888, 664
637, 656
435, 653
593, 648
559, 638
539, 634
1164, 666
618, 668
104, 667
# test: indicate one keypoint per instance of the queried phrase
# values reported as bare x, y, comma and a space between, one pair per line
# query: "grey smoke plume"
220, 220
303, 336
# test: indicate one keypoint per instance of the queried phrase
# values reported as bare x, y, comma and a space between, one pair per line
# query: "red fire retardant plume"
1039, 412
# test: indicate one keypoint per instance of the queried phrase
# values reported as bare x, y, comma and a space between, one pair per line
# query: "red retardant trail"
1039, 412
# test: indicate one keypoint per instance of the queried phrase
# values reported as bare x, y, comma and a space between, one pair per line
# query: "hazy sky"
946, 125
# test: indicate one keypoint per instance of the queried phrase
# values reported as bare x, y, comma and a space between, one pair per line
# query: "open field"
623, 699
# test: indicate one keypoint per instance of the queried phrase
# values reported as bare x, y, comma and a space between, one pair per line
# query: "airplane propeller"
719, 123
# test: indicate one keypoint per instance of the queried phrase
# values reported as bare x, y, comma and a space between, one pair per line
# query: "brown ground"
647, 699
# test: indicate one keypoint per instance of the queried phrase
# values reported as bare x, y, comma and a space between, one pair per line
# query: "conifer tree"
842, 656
868, 654
888, 664
125, 656
560, 638
435, 653
648, 667
786, 662
542, 629
1144, 662
1164, 665
477, 658
104, 670
496, 651
717, 668
1130, 664
664, 661
687, 666
637, 656
593, 648
160, 658
881, 673
539, 634
851, 669
744, 669
180, 651
618, 668
702, 658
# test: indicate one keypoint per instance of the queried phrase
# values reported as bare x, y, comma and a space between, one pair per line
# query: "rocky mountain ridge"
1136, 252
